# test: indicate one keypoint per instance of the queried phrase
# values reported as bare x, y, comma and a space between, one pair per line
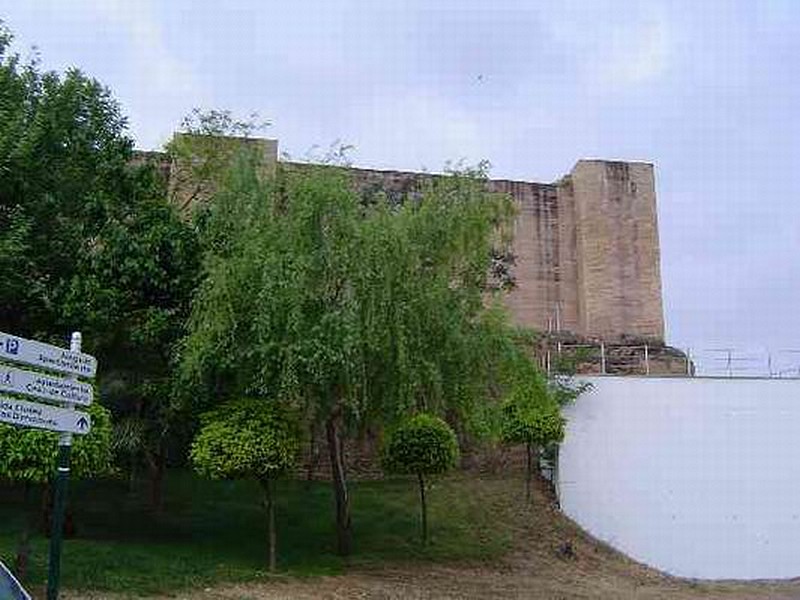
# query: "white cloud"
614, 45
419, 128
637, 54
159, 88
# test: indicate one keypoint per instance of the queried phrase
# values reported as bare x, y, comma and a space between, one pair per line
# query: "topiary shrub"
246, 438
421, 445
530, 415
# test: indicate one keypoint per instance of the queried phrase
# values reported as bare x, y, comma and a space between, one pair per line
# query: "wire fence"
748, 362
658, 359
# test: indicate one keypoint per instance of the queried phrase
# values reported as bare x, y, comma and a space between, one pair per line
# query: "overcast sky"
708, 91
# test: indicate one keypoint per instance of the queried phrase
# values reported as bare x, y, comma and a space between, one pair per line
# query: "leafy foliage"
246, 438
531, 414
63, 158
132, 294
31, 455
347, 309
377, 307
421, 444
88, 241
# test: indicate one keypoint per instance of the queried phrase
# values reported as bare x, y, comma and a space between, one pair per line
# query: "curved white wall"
698, 477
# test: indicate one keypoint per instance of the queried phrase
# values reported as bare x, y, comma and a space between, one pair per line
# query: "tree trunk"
528, 472
132, 475
423, 508
45, 510
158, 467
344, 532
24, 546
313, 454
269, 504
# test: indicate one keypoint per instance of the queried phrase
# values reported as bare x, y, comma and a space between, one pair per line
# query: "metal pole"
60, 500
688, 361
602, 358
646, 360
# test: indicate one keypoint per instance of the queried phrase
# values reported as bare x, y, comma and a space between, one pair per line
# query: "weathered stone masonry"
586, 247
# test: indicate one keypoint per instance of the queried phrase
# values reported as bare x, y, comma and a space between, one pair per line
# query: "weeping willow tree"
355, 312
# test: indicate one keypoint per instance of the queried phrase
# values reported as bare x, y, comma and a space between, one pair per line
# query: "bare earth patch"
537, 568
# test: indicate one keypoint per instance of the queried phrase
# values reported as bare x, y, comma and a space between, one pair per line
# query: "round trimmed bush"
421, 445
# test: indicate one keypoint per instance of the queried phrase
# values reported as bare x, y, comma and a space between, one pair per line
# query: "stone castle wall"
586, 249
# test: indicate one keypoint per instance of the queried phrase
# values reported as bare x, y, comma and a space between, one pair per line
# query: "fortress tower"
587, 252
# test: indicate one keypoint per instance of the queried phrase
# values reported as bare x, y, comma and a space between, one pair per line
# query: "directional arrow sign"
42, 416
43, 386
46, 356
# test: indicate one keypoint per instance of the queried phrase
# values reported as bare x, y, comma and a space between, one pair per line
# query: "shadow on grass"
212, 532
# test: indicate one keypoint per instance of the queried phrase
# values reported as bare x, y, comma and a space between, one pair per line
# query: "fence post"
602, 358
646, 359
548, 361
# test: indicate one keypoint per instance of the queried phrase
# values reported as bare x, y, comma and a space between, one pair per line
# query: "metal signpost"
67, 391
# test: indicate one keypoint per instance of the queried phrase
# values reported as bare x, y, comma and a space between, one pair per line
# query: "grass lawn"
213, 532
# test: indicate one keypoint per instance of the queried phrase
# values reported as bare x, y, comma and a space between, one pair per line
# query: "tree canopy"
421, 445
249, 438
356, 311
531, 415
245, 438
63, 155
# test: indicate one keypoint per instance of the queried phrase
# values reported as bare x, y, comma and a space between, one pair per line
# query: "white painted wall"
698, 477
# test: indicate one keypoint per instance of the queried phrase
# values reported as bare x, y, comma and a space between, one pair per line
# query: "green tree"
30, 457
355, 309
249, 438
88, 241
422, 445
132, 292
201, 153
530, 415
63, 157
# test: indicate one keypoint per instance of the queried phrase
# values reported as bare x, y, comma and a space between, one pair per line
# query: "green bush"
31, 455
249, 438
531, 415
421, 445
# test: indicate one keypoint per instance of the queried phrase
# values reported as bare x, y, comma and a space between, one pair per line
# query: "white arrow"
43, 416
